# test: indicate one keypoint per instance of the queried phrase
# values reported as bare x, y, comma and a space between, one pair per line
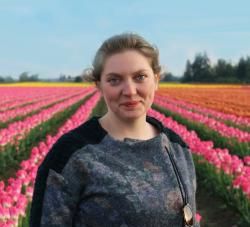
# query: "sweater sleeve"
62, 194
55, 160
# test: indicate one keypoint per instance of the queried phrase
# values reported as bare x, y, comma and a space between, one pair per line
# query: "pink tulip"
15, 97
12, 195
18, 129
206, 111
36, 104
198, 217
220, 158
219, 127
247, 160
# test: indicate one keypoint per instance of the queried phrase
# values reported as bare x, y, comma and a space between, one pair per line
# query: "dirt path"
213, 210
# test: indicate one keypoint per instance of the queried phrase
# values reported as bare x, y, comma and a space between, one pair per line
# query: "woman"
124, 168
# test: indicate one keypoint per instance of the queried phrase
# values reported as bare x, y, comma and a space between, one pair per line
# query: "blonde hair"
120, 43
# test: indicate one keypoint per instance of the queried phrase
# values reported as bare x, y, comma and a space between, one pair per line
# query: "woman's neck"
120, 129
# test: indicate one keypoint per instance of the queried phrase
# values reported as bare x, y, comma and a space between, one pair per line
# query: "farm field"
214, 120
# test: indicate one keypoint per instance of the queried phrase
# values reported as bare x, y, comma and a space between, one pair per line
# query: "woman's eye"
140, 77
113, 81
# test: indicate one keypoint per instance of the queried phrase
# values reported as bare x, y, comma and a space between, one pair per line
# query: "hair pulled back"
117, 44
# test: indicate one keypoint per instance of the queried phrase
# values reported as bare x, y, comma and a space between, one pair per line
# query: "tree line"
199, 71
202, 71
26, 77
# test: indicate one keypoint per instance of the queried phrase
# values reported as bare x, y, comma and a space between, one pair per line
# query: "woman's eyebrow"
113, 74
118, 74
140, 71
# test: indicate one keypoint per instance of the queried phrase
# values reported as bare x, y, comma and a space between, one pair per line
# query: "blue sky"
50, 37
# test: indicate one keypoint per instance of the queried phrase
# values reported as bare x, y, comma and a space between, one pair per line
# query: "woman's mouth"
130, 104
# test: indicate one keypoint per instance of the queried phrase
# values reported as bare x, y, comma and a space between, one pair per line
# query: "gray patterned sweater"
89, 179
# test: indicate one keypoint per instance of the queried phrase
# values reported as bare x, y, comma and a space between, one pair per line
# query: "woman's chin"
132, 115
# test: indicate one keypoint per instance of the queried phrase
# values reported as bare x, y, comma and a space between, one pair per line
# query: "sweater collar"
153, 121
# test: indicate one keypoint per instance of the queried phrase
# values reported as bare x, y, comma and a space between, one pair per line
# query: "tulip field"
214, 120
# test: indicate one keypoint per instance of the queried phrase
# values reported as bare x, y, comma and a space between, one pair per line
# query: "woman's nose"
129, 88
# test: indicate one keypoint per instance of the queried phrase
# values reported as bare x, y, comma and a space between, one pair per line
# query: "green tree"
241, 69
224, 72
169, 77
34, 77
202, 71
2, 79
24, 76
188, 74
78, 79
62, 77
247, 77
9, 79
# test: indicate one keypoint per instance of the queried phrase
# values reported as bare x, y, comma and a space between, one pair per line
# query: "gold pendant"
188, 215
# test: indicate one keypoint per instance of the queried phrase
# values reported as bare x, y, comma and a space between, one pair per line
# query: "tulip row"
240, 121
14, 97
220, 158
35, 106
220, 127
225, 99
17, 130
11, 94
236, 172
15, 196
13, 154
205, 133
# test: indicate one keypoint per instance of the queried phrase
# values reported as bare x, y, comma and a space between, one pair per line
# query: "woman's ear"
98, 86
157, 79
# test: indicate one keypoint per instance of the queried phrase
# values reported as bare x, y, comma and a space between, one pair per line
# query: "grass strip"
217, 183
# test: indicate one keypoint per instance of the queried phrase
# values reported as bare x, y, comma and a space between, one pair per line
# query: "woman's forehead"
126, 62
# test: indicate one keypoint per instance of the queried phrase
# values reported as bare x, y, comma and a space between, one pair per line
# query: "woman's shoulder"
172, 136
58, 157
89, 132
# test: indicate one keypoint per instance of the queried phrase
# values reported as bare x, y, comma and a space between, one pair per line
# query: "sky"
50, 37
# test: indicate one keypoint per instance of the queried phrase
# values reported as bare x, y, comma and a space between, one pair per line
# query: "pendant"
188, 215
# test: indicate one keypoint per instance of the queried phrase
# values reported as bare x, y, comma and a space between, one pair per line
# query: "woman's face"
128, 85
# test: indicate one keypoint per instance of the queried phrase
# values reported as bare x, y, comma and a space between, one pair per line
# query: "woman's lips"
130, 104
